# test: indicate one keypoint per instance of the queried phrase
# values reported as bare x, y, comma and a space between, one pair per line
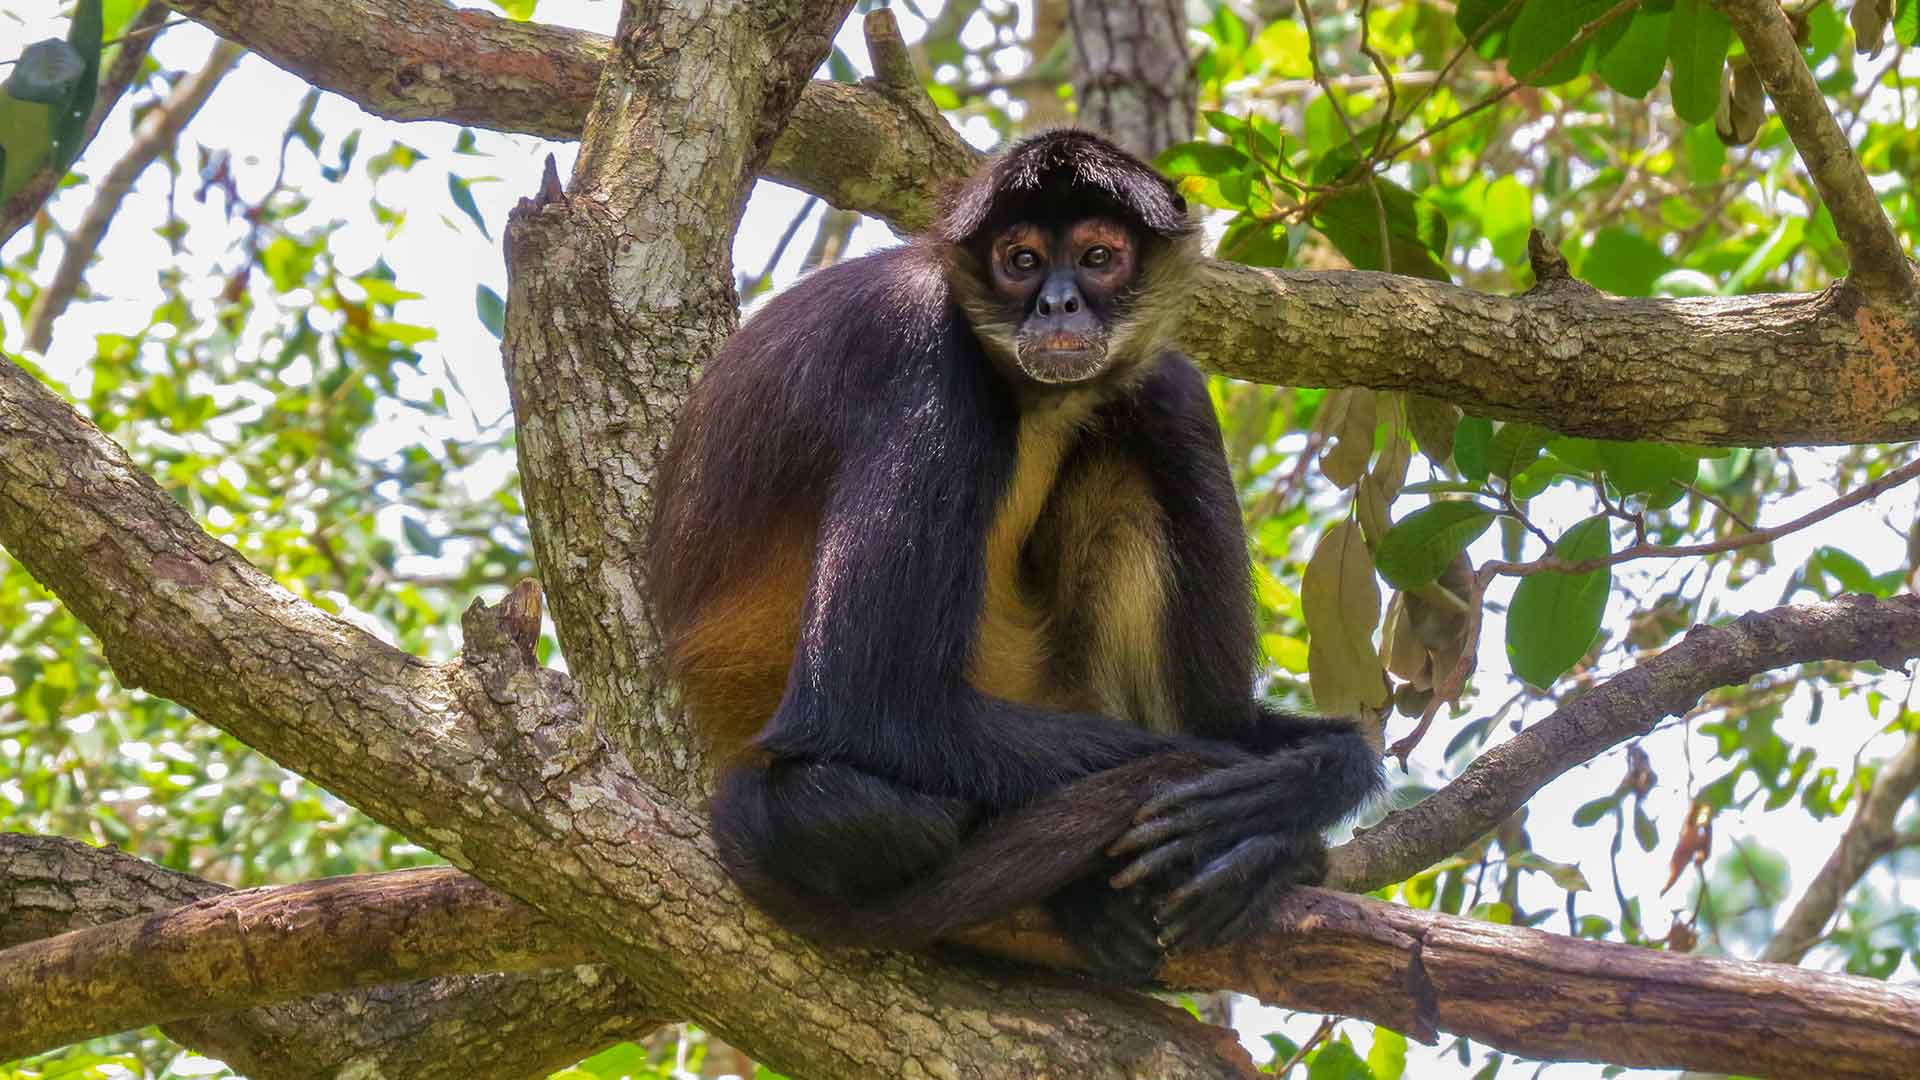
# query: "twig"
1867, 837
1579, 41
760, 280
1319, 1036
1643, 550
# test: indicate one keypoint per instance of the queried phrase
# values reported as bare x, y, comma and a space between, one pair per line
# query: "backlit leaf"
1554, 617
1420, 545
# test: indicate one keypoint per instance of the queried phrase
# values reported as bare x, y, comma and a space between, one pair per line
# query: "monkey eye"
1097, 256
1024, 259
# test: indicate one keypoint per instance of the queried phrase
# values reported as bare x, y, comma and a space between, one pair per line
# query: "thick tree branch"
485, 1027
158, 130
1420, 972
1631, 703
1867, 837
1773, 370
264, 946
1877, 264
20, 207
1770, 370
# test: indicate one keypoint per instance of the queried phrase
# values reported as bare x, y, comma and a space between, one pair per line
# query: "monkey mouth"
1061, 358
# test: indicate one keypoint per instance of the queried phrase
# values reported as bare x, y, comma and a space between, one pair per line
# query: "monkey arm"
1210, 847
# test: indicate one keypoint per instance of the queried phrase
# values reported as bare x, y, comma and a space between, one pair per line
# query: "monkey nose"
1059, 300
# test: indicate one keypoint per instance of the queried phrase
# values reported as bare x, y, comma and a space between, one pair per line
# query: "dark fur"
886, 800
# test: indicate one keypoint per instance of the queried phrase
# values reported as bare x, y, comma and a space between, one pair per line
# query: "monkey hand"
1212, 853
1112, 928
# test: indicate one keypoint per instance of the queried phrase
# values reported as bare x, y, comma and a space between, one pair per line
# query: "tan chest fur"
1011, 644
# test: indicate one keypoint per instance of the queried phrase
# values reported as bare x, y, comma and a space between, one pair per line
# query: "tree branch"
1867, 837
159, 129
264, 946
1878, 265
486, 1027
1630, 704
1419, 972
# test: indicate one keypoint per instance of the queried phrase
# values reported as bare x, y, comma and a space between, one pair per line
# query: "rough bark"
1630, 704
485, 1027
1419, 972
489, 763
1132, 77
264, 946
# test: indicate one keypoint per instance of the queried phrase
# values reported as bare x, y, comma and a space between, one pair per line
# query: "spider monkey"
949, 567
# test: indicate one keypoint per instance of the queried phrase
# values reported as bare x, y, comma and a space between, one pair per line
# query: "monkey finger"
1233, 877
1211, 786
1159, 861
1152, 834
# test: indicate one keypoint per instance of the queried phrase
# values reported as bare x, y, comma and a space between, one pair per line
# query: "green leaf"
1283, 1047
1591, 812
70, 122
1644, 830
1565, 875
1652, 469
1387, 1058
462, 191
1623, 262
1416, 229
1634, 64
1906, 22
1506, 216
419, 537
1252, 242
1514, 447
1554, 617
1541, 30
491, 309
1848, 571
1471, 442
1282, 48
1472, 15
517, 10
1420, 546
1337, 1060
840, 68
1697, 41
1200, 159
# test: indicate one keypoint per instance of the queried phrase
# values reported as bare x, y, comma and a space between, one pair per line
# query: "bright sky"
441, 254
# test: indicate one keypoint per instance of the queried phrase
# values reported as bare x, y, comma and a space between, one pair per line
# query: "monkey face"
1063, 287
